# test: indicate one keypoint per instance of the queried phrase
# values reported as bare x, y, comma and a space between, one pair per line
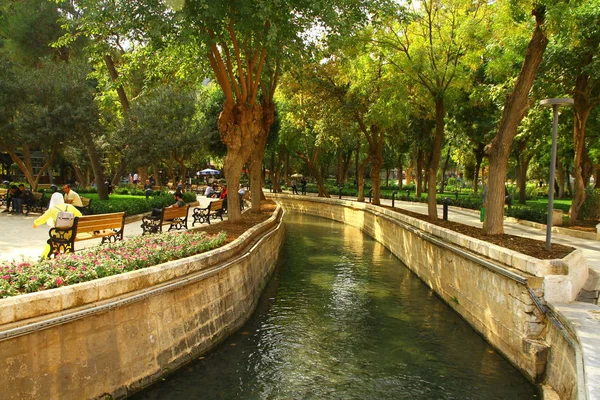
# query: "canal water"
342, 318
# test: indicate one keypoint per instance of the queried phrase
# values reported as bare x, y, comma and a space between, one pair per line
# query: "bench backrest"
216, 205
170, 213
98, 222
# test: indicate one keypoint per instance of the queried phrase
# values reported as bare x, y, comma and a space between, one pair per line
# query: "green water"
342, 318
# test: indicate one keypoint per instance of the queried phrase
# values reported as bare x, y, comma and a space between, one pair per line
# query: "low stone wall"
494, 289
111, 337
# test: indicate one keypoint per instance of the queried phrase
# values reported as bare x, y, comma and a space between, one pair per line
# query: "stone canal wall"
494, 289
110, 337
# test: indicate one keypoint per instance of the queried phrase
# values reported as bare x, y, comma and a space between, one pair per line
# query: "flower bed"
101, 261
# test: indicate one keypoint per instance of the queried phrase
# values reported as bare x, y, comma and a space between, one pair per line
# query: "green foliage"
590, 210
130, 205
189, 197
528, 214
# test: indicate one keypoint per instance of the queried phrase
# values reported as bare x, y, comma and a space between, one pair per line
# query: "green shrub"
189, 197
131, 205
590, 210
528, 214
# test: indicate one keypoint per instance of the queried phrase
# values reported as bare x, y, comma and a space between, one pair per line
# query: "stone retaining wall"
492, 288
113, 336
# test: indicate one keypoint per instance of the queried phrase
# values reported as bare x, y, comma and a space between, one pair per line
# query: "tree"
434, 42
517, 103
575, 62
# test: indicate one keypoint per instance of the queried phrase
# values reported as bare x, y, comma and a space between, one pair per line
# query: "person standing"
303, 185
148, 188
71, 197
294, 187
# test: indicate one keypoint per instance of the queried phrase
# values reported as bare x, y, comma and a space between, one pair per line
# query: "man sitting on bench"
157, 212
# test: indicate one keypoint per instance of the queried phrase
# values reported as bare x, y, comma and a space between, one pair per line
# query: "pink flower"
59, 281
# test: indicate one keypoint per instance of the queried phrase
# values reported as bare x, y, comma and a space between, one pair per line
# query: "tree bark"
399, 168
560, 175
582, 110
515, 107
419, 174
444, 168
240, 126
361, 179
434, 161
26, 165
523, 159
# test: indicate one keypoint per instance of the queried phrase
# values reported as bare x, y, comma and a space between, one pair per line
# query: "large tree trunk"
434, 161
79, 175
96, 164
399, 168
240, 126
346, 166
26, 165
312, 163
515, 107
444, 168
560, 178
376, 158
523, 159
255, 164
582, 112
361, 179
419, 174
409, 171
339, 174
116, 179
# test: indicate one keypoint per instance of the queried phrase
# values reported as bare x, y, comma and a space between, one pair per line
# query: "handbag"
64, 219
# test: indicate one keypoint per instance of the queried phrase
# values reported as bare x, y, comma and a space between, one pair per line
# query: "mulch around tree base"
527, 246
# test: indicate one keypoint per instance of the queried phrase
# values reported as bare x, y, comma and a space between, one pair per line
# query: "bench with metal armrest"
108, 227
175, 217
203, 214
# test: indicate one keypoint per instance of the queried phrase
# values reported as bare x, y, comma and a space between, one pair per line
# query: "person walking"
294, 187
303, 185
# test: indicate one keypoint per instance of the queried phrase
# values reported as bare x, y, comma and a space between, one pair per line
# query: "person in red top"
223, 197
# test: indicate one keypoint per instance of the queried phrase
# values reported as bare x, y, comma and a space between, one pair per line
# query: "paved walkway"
18, 240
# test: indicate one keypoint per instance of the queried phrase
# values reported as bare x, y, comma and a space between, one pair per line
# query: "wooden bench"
39, 205
214, 210
175, 217
85, 209
108, 227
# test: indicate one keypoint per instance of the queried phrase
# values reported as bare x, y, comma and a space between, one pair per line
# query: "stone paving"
18, 240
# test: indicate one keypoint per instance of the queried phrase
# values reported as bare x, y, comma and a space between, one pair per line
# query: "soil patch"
527, 246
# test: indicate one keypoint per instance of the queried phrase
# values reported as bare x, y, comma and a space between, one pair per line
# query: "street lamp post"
555, 104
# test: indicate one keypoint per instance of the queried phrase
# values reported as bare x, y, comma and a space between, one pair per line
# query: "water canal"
342, 318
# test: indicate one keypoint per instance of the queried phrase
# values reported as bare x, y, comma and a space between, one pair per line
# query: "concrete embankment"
500, 293
113, 336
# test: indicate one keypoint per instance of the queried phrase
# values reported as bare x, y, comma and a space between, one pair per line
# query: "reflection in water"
343, 319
